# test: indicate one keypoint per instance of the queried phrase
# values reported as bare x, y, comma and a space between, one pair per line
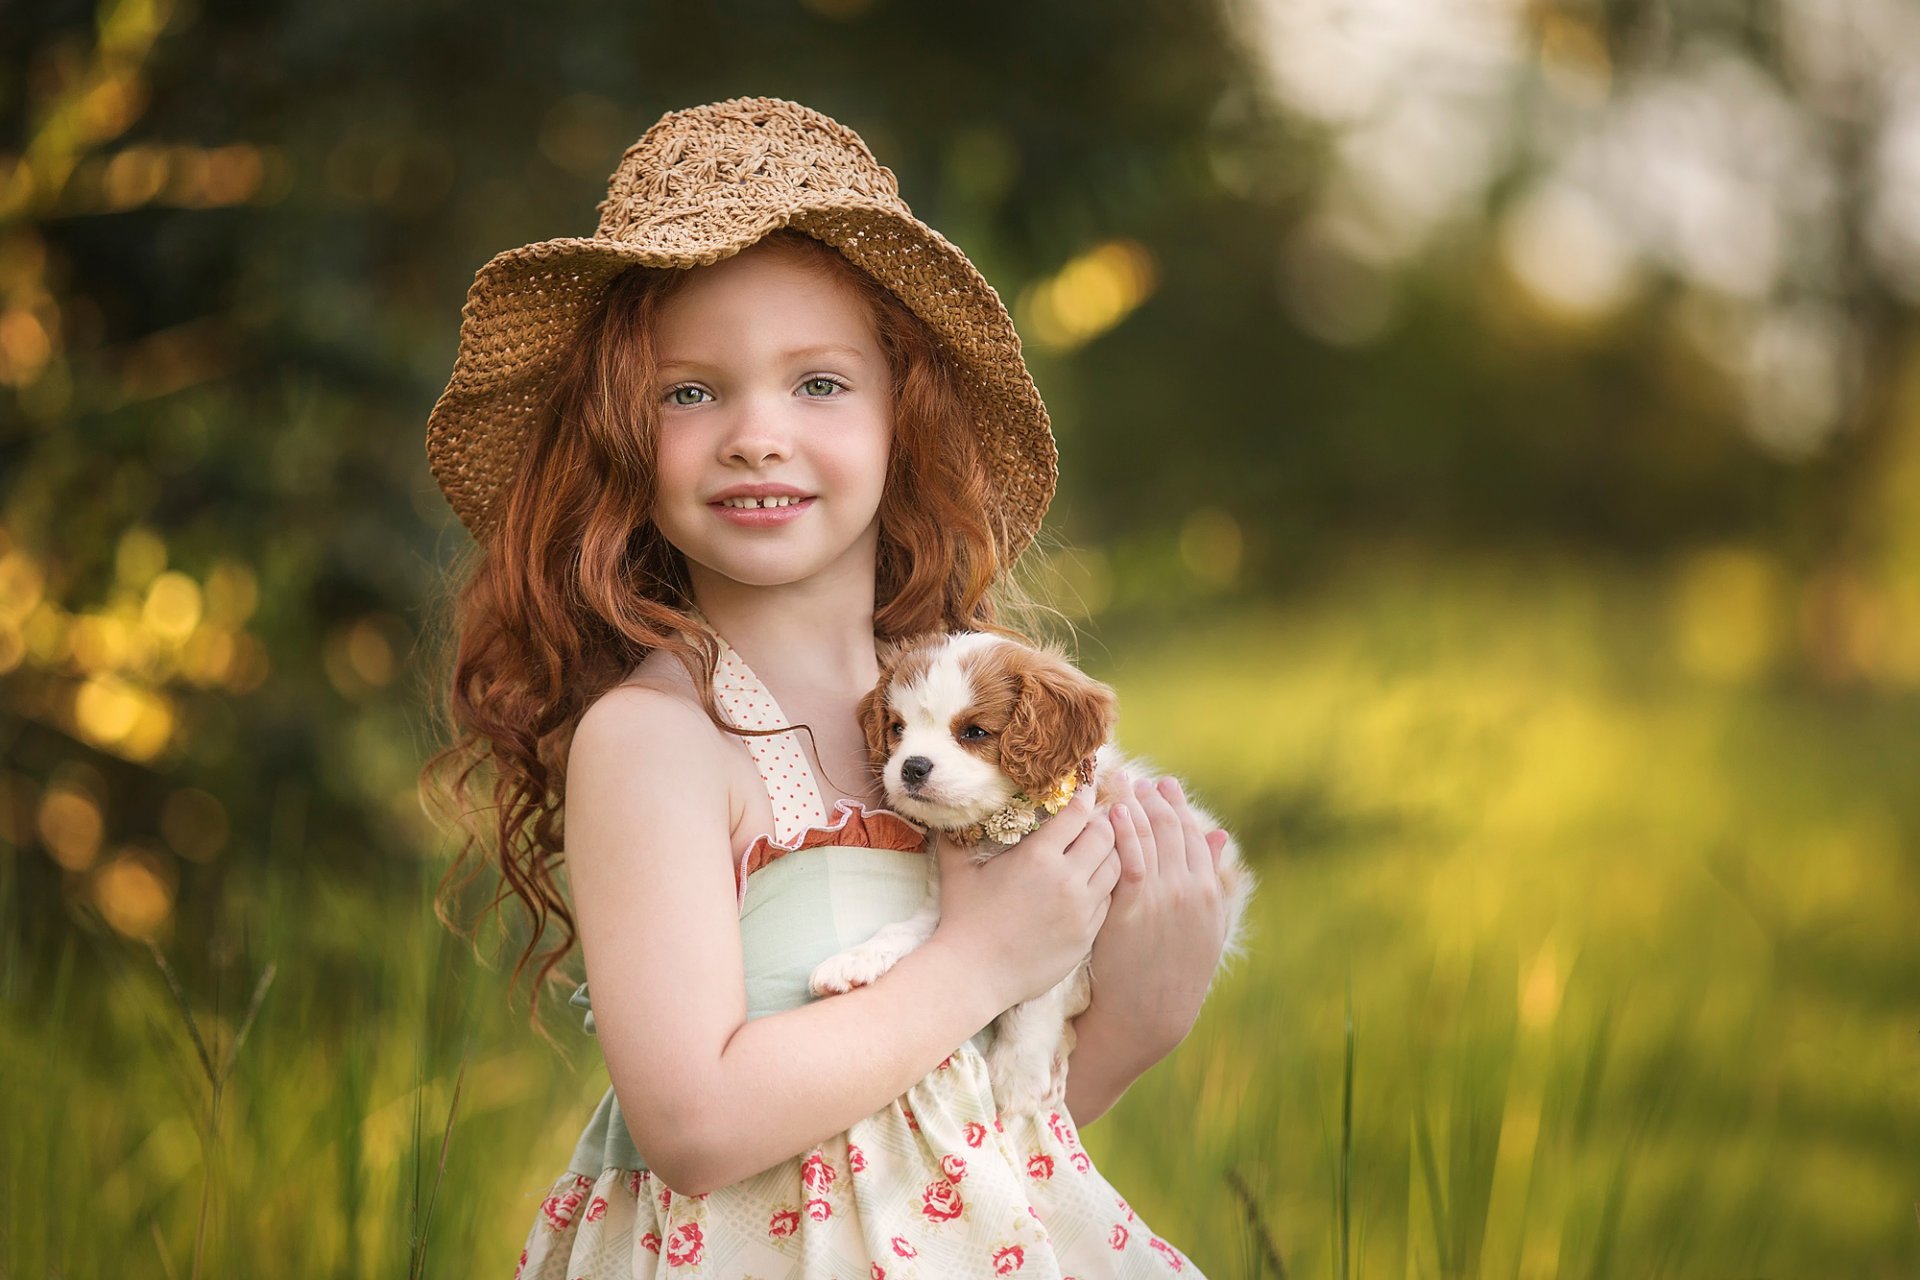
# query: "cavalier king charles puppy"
984, 738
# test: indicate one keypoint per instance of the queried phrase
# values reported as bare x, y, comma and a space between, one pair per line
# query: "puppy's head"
961, 722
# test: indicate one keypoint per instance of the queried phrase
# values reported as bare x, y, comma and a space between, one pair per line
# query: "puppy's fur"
982, 718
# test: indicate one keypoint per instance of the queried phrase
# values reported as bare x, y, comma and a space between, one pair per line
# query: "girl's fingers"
1137, 789
1193, 841
1168, 838
1126, 842
1110, 871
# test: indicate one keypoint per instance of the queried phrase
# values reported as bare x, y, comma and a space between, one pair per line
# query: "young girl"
761, 422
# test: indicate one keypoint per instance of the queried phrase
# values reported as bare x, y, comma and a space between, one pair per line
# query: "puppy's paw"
1022, 1094
1020, 1084
1057, 1080
856, 967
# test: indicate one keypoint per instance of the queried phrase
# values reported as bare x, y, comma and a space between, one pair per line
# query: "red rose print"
1117, 1237
633, 1181
940, 1201
1123, 1207
666, 1196
816, 1173
856, 1159
1080, 1161
523, 1265
784, 1222
597, 1210
953, 1166
559, 1208
819, 1210
997, 1126
945, 1063
1039, 1165
878, 1273
1167, 1251
685, 1245
904, 1247
976, 1133
1062, 1131
912, 1123
1009, 1260
1035, 1212
650, 1242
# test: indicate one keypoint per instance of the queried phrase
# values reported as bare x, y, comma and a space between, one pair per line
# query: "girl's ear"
1062, 716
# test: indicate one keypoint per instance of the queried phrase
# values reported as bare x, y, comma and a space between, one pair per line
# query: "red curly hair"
576, 585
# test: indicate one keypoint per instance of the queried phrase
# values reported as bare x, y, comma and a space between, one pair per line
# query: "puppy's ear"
874, 714
1062, 716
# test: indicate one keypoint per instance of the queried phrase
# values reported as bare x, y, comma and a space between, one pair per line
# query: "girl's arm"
1108, 1056
710, 1097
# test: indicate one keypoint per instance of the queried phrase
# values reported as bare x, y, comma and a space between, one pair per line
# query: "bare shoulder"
655, 702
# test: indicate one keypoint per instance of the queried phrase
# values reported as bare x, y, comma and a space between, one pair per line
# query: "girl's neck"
807, 638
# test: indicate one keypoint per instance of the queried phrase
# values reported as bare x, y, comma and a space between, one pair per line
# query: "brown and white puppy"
983, 738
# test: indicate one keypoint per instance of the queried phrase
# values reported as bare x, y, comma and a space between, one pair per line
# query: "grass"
1571, 959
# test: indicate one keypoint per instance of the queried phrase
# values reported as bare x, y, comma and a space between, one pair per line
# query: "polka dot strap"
796, 797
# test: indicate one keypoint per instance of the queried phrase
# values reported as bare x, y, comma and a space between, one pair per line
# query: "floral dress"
935, 1185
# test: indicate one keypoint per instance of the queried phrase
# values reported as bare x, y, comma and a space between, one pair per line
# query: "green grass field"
1626, 919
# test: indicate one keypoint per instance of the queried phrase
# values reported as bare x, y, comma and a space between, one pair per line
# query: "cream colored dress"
934, 1185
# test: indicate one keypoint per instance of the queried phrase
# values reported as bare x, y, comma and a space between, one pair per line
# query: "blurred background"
1491, 478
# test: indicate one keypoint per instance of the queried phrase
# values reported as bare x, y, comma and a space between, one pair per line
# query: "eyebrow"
819, 349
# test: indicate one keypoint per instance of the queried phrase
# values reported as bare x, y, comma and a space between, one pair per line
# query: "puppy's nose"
914, 769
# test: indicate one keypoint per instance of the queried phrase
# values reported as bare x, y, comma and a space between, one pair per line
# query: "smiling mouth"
749, 513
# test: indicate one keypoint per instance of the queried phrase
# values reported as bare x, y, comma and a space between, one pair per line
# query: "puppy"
984, 738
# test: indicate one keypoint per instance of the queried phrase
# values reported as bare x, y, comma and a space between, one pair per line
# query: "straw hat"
699, 186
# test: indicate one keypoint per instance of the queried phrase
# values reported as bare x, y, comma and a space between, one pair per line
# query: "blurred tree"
1626, 277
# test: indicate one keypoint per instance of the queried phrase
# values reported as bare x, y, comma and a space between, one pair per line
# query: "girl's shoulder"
667, 703
657, 699
660, 670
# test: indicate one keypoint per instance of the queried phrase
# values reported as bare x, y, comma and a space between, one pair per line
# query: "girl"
762, 421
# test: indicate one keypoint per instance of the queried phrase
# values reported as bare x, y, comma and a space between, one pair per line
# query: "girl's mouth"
761, 517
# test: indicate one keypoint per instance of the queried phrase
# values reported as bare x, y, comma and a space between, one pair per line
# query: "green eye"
677, 390
823, 382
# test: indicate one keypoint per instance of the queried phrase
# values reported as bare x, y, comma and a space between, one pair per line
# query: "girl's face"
771, 375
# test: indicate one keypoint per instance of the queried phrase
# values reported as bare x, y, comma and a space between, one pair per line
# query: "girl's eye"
824, 381
685, 387
974, 733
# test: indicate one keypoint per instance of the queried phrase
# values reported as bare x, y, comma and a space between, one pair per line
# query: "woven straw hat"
699, 186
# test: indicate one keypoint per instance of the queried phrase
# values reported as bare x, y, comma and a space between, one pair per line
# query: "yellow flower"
1056, 799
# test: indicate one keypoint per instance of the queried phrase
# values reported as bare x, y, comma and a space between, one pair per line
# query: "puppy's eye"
896, 729
974, 733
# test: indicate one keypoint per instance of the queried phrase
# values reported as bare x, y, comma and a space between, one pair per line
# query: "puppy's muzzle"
914, 771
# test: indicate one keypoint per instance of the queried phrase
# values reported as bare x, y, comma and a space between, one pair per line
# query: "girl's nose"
756, 441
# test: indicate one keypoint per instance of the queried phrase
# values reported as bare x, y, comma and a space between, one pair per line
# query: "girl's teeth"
759, 502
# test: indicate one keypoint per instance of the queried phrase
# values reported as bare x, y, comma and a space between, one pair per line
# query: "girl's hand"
1156, 955
1032, 911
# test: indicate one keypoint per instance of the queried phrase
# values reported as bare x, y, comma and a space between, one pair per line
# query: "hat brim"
526, 303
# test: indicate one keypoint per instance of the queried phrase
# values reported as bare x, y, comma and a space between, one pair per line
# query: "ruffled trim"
857, 826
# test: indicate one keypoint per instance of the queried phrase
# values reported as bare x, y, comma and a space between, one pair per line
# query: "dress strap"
797, 800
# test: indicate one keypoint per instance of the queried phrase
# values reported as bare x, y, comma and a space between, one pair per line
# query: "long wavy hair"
576, 585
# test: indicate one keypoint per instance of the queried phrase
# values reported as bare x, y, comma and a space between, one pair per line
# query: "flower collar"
1023, 813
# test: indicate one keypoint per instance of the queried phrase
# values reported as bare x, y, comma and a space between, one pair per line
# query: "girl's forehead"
765, 305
